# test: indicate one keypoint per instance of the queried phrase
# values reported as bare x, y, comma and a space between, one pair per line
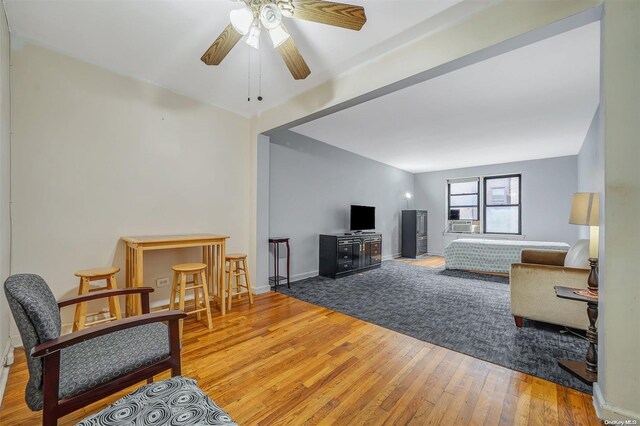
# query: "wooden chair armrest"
67, 340
543, 257
102, 294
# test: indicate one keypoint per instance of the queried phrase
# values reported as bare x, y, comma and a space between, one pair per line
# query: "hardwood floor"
284, 361
428, 261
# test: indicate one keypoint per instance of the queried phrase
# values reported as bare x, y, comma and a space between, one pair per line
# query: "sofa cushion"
578, 255
102, 359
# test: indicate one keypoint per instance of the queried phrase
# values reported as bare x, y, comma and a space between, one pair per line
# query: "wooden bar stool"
96, 274
179, 287
237, 267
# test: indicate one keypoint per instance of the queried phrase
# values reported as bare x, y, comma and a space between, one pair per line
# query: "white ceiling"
534, 102
161, 41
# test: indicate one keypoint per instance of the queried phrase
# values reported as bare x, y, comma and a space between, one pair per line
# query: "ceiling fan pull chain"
249, 78
259, 75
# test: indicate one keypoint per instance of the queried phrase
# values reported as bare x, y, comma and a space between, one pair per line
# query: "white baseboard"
296, 277
391, 256
598, 400
261, 289
7, 360
16, 340
310, 274
305, 275
605, 411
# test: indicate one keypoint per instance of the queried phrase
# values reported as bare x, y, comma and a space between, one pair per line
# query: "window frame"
477, 194
485, 204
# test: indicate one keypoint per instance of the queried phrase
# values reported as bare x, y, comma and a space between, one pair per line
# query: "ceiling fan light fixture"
253, 39
270, 16
241, 19
286, 7
278, 35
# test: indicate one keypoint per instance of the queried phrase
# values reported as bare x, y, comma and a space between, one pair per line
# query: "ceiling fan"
258, 15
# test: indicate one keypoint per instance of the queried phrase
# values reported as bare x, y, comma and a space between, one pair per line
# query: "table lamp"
585, 210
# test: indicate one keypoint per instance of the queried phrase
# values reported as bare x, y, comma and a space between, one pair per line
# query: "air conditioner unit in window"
461, 226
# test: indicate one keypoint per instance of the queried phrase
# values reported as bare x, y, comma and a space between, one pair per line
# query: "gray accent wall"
547, 188
591, 162
312, 185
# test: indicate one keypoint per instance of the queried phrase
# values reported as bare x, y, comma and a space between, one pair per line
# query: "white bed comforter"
491, 255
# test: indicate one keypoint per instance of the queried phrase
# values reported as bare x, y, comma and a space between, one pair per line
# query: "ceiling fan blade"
294, 60
330, 13
221, 46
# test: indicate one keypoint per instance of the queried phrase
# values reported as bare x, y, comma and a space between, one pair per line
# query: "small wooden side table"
585, 371
276, 278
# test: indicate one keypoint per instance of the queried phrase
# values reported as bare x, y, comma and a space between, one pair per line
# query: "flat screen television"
362, 218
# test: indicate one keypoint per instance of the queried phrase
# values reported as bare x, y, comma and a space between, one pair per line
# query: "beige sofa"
532, 293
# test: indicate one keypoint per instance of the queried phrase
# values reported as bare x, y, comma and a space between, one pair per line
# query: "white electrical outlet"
162, 282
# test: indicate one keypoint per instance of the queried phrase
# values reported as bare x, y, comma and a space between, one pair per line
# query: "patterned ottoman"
175, 401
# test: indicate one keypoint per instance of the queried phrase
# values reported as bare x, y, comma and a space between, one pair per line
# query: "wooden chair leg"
76, 315
247, 280
226, 281
196, 295
114, 302
518, 321
205, 295
81, 310
239, 285
232, 276
174, 348
183, 284
50, 386
174, 287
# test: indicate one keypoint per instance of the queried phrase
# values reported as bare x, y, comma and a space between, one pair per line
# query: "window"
464, 200
502, 205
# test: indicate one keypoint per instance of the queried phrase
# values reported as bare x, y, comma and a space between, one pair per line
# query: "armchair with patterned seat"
532, 283
74, 370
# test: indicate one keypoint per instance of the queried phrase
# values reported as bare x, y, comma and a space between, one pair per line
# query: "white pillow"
578, 255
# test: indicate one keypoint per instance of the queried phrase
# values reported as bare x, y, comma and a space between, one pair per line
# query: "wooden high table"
213, 253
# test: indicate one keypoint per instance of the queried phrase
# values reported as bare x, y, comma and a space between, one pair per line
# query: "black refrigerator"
414, 233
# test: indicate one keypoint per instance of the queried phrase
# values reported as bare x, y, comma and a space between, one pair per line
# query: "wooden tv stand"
342, 255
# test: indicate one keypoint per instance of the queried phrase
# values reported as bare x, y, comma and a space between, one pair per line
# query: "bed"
483, 255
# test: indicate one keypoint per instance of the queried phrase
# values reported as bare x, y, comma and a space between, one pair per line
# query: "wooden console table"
213, 252
587, 371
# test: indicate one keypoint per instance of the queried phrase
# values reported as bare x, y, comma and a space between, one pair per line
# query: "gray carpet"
462, 311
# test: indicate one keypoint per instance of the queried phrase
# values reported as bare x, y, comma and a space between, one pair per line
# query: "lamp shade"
241, 19
585, 209
278, 35
253, 39
270, 16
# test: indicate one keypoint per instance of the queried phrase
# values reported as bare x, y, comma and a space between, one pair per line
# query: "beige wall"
618, 388
5, 167
97, 156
